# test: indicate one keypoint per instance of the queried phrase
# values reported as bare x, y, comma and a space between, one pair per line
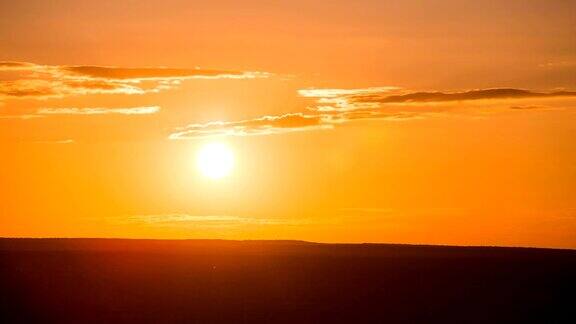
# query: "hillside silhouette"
217, 281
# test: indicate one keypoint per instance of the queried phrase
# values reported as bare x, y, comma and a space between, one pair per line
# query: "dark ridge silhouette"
219, 281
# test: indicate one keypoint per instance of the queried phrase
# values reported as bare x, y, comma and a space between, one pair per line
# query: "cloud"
339, 99
202, 220
15, 66
155, 73
64, 141
287, 123
461, 96
367, 210
23, 117
259, 126
380, 114
44, 112
558, 64
349, 105
535, 107
44, 89
99, 111
335, 93
128, 73
353, 99
27, 88
55, 81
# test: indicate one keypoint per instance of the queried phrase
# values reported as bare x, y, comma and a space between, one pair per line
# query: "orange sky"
437, 122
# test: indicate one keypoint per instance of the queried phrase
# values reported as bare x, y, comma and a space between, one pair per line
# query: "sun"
215, 160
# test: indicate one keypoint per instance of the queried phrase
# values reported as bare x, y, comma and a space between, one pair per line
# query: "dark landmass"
213, 281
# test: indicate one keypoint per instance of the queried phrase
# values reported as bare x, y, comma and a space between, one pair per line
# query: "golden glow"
215, 160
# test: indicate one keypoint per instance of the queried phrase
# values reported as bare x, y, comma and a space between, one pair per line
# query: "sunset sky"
433, 122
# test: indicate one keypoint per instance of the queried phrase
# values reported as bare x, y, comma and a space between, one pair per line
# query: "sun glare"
215, 160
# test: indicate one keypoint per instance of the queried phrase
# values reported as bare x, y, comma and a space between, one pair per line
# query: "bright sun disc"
215, 160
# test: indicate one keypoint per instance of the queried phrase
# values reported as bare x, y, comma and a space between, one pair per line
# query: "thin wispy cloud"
51, 88
201, 220
535, 107
56, 81
336, 93
87, 111
63, 141
341, 106
16, 66
559, 64
483, 94
99, 111
22, 117
353, 99
376, 210
154, 73
280, 124
264, 125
